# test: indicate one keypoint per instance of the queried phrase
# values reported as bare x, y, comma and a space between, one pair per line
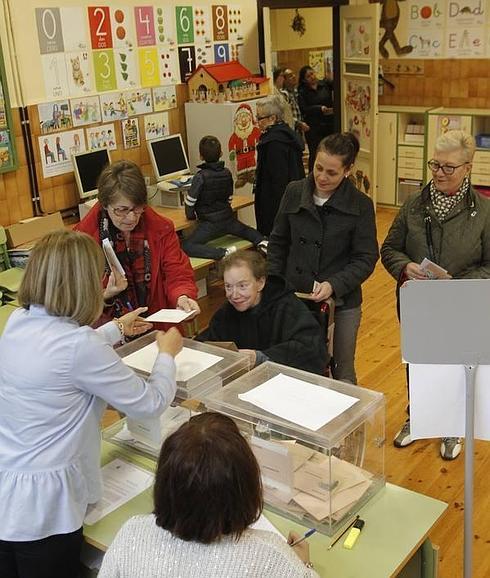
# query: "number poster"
111, 48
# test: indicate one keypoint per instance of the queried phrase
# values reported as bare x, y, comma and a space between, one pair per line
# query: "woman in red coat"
158, 273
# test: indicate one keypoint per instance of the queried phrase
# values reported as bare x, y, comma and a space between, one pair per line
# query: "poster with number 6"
185, 24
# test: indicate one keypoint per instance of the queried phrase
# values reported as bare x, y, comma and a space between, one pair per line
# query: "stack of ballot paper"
307, 480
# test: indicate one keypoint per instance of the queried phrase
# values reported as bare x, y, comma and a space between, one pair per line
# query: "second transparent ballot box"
201, 368
319, 442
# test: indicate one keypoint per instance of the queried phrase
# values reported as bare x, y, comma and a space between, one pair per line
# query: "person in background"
207, 494
324, 242
315, 98
448, 223
280, 91
279, 161
209, 199
158, 273
291, 91
51, 406
264, 318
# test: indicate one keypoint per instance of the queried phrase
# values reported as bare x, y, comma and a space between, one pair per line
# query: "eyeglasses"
434, 166
124, 211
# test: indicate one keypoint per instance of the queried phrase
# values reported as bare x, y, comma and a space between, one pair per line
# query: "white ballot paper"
122, 482
111, 257
169, 316
434, 271
189, 362
300, 402
437, 401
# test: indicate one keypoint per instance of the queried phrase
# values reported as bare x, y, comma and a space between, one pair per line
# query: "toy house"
225, 82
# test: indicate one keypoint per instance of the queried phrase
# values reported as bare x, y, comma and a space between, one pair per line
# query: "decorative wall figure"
390, 15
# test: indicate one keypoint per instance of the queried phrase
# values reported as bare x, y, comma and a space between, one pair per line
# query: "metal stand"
447, 322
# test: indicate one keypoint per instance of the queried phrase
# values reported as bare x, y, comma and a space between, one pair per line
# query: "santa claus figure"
242, 143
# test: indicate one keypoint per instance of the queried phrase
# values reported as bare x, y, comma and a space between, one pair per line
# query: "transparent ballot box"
201, 367
146, 436
319, 442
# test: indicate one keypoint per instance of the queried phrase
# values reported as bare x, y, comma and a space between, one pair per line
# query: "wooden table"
177, 215
394, 541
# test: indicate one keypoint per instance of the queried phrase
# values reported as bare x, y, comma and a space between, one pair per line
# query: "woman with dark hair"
158, 272
324, 242
315, 99
264, 318
207, 493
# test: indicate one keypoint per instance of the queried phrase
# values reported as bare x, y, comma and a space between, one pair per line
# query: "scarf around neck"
442, 203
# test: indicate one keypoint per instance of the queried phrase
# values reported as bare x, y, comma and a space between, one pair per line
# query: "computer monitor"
87, 167
168, 157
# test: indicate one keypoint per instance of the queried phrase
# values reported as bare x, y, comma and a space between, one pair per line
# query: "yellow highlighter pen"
353, 534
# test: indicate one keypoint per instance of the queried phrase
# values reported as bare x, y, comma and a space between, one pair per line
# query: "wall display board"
8, 157
435, 29
91, 49
56, 150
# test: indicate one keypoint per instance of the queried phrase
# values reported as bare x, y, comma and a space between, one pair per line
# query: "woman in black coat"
279, 161
324, 242
315, 99
264, 317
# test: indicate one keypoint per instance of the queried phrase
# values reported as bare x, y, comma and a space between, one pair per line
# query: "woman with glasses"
447, 223
158, 273
264, 318
279, 161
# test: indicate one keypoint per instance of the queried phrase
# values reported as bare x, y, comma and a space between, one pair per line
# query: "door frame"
291, 4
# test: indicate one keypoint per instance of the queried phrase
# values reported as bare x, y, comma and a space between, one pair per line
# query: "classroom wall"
318, 25
21, 52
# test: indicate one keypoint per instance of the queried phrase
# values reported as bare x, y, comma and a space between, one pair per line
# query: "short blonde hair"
457, 140
64, 275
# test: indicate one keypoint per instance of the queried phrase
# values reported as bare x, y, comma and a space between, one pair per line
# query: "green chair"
4, 256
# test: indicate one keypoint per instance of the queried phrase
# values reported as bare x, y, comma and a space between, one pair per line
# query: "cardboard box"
31, 229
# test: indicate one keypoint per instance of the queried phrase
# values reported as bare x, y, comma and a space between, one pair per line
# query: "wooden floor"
419, 466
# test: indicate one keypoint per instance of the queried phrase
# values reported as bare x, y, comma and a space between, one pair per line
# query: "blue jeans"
195, 244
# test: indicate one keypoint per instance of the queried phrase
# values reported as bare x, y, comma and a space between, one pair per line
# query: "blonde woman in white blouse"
55, 373
207, 493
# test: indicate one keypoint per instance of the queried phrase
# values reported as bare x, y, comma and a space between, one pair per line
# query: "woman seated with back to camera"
264, 318
207, 493
158, 272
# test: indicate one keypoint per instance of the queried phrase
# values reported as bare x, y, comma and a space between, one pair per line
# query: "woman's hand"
169, 342
322, 291
252, 356
413, 271
302, 550
188, 304
327, 109
116, 284
134, 324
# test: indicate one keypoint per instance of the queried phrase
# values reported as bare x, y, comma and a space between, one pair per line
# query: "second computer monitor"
168, 157
87, 167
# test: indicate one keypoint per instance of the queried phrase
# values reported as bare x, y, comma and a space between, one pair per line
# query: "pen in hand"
307, 535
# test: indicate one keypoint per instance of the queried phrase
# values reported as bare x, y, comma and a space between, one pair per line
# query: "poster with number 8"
185, 24
220, 22
100, 27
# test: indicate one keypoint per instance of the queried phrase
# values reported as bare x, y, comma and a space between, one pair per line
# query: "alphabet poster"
435, 29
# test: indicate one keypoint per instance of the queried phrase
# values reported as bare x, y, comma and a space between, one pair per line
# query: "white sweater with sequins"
143, 550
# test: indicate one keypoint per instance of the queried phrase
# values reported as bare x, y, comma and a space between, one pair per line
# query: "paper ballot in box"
319, 442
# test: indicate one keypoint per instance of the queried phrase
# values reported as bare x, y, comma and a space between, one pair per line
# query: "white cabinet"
401, 152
